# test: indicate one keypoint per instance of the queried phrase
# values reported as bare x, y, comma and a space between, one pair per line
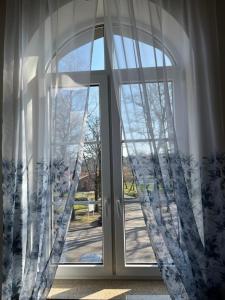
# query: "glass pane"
75, 60
125, 55
133, 109
138, 144
84, 239
68, 107
137, 244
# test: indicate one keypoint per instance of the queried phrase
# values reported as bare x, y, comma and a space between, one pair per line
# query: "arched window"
107, 233
89, 239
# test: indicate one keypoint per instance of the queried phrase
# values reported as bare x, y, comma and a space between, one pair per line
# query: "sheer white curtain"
169, 97
40, 168
172, 114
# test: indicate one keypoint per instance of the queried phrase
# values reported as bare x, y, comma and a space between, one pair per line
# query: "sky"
124, 56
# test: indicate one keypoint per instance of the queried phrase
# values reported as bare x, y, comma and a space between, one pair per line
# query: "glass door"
88, 247
84, 240
107, 234
133, 252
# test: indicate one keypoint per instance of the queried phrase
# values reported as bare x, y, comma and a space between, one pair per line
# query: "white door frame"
76, 270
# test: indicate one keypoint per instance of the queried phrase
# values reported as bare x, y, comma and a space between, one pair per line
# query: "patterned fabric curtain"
40, 118
169, 97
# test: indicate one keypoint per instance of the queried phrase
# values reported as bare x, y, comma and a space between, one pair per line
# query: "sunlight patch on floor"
107, 289
56, 291
106, 294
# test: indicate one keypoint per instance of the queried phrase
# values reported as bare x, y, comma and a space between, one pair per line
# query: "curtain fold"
165, 63
40, 165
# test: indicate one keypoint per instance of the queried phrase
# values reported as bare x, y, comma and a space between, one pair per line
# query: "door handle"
119, 204
106, 206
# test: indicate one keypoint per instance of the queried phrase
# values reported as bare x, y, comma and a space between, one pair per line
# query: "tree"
92, 150
91, 166
138, 119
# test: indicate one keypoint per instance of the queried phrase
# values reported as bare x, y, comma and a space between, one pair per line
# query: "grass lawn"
129, 189
80, 206
88, 195
87, 220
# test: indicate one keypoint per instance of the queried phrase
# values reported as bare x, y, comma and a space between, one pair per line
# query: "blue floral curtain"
172, 116
40, 167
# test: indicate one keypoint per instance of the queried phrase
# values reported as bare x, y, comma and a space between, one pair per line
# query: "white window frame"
112, 185
76, 270
131, 76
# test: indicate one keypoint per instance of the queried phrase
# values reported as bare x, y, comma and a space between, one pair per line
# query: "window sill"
109, 289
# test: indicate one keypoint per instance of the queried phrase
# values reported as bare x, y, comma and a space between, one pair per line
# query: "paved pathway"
85, 240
